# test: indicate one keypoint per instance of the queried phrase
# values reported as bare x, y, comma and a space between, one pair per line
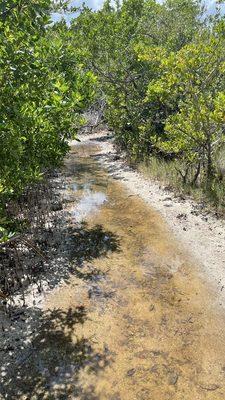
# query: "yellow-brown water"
135, 321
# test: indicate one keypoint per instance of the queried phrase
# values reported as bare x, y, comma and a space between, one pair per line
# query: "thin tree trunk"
209, 162
197, 173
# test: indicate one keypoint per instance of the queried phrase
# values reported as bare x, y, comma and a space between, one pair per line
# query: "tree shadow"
86, 244
113, 168
71, 250
66, 249
41, 356
80, 167
86, 169
50, 358
103, 138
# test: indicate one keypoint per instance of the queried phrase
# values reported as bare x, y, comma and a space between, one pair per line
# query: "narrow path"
199, 230
134, 321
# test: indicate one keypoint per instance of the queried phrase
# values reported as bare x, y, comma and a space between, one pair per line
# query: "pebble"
131, 372
173, 378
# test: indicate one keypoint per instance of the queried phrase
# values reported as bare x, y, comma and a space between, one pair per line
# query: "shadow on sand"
50, 359
41, 356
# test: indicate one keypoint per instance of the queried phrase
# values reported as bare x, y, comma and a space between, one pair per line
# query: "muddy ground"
198, 231
128, 314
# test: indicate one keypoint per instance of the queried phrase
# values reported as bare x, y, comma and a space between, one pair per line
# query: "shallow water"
134, 322
88, 204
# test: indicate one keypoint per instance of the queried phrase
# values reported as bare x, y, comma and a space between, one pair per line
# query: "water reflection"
88, 204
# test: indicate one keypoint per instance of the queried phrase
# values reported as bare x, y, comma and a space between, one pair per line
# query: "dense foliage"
157, 66
160, 70
44, 89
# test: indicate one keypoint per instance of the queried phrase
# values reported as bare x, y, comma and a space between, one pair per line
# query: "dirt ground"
199, 232
129, 313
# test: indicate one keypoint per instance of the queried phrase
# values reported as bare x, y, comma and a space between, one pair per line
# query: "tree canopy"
160, 70
157, 67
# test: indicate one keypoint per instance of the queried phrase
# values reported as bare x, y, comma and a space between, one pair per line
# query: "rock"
209, 388
154, 368
182, 216
131, 372
173, 378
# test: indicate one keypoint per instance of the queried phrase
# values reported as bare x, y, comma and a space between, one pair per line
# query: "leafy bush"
160, 69
43, 91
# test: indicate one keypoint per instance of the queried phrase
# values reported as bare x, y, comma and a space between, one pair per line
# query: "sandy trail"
200, 233
135, 320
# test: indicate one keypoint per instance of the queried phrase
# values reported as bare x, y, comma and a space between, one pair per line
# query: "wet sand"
135, 321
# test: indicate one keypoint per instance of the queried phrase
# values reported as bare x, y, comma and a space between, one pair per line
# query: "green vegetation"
160, 71
158, 68
44, 89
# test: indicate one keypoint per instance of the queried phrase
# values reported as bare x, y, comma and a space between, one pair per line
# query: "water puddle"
89, 204
134, 322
